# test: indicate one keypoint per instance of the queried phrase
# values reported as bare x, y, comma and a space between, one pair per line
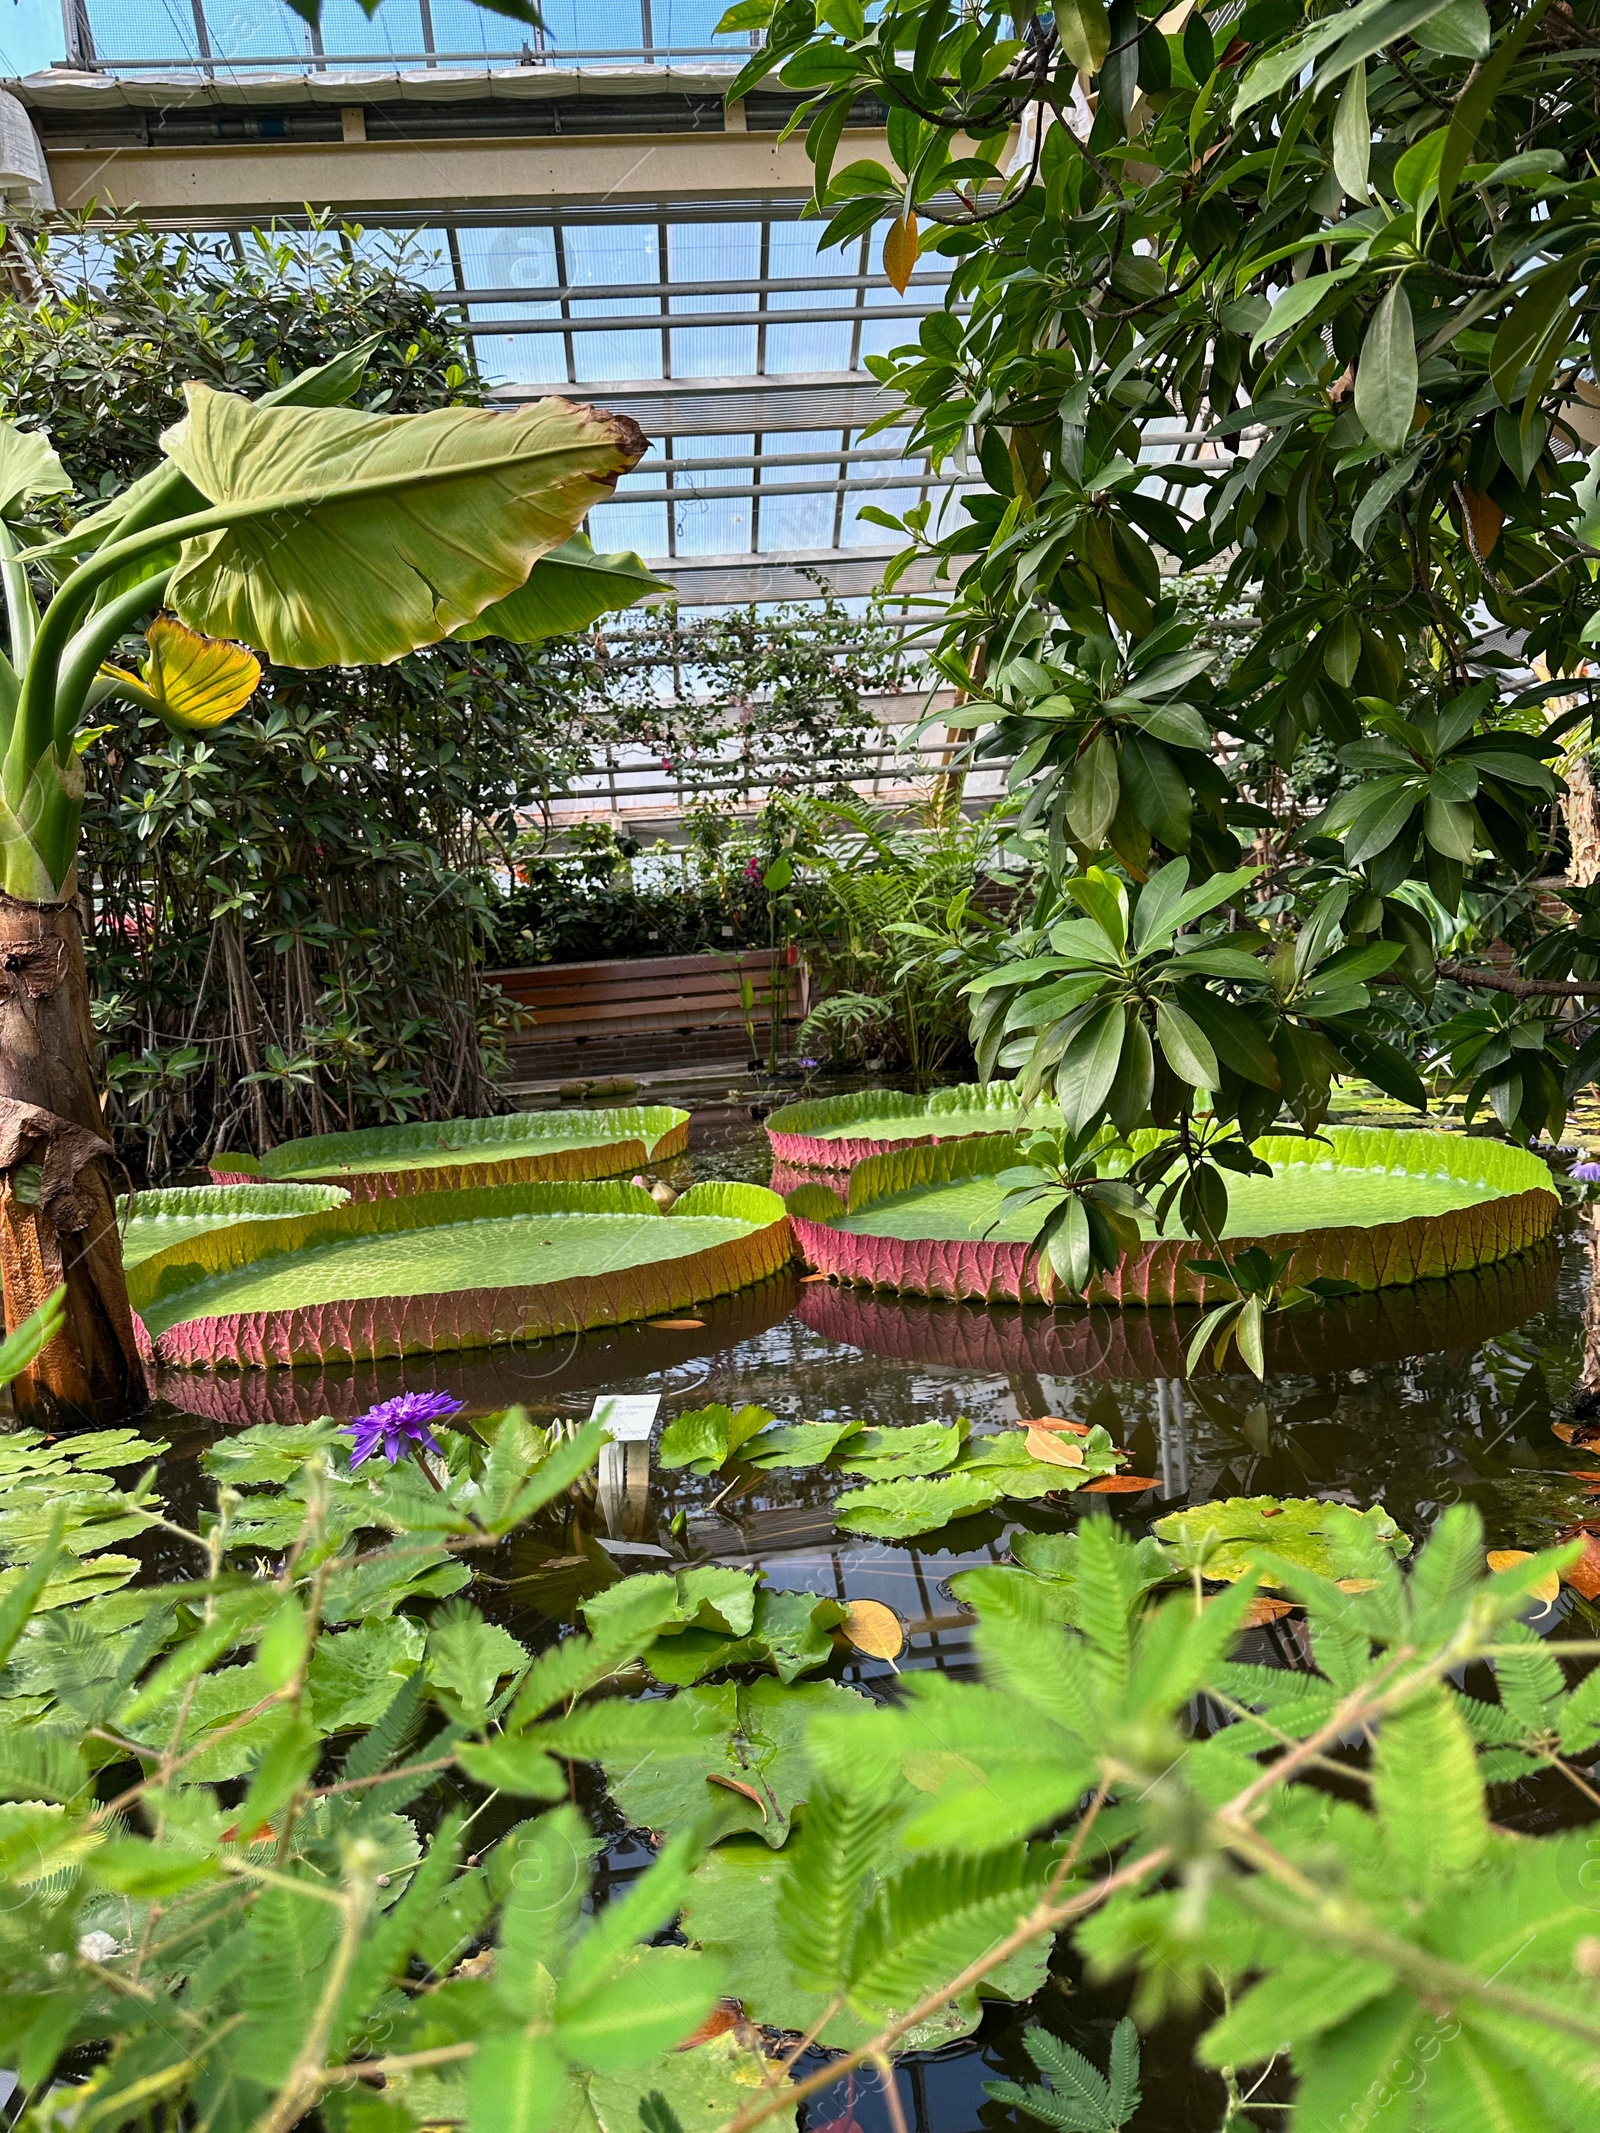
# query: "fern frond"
938, 1916
1428, 1790
825, 1891
1069, 2073
1445, 1573
1529, 1678
1109, 1595
1124, 2070
390, 1737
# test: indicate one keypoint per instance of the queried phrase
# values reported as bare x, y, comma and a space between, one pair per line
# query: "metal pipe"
651, 321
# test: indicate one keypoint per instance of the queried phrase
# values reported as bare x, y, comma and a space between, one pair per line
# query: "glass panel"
395, 30
713, 526
714, 352
521, 359
699, 252
465, 31
806, 348
642, 527
132, 29
507, 258
245, 29
611, 255
790, 522
573, 27
686, 25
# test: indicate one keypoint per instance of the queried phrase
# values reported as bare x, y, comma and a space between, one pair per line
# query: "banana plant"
295, 529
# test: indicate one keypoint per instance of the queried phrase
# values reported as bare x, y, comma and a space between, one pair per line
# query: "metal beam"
204, 183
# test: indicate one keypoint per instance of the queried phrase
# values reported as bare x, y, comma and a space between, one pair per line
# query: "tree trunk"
57, 1197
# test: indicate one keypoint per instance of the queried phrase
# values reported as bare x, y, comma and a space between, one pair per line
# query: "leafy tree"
1351, 252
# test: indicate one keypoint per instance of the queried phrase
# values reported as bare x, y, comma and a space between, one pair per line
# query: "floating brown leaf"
732, 1784
1119, 1485
1547, 1589
1045, 1446
1056, 1422
726, 2015
1577, 1432
677, 1325
1584, 1575
874, 1629
1263, 1609
804, 1278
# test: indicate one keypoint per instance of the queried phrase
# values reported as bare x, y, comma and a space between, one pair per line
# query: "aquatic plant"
399, 1427
245, 1876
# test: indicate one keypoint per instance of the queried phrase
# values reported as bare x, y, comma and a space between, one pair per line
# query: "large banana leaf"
566, 591
28, 468
353, 539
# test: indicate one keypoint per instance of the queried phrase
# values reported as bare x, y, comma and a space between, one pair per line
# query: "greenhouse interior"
917, 679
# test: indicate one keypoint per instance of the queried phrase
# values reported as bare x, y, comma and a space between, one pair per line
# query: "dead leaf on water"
1548, 1588
726, 2015
1056, 1422
1045, 1446
1263, 1609
874, 1629
1584, 1575
804, 1278
677, 1325
749, 1792
1120, 1485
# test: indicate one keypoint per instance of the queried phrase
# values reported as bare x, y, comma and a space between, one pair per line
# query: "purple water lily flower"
399, 1427
1585, 1173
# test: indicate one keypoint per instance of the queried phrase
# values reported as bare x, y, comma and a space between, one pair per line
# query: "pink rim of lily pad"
368, 1328
542, 1165
1380, 1255
801, 1138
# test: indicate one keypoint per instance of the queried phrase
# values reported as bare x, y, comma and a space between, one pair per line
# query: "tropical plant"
1076, 2096
322, 535
250, 1871
897, 914
1351, 253
1256, 1279
1086, 1222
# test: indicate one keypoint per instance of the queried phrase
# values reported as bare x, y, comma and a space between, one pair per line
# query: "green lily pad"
897, 1510
1046, 1566
470, 1151
914, 1448
703, 2088
1225, 1538
154, 1221
457, 1269
798, 1444
705, 1438
713, 1618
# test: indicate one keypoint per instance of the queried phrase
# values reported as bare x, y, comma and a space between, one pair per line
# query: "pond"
1413, 1398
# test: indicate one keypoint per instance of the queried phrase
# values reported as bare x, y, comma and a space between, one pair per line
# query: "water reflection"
1413, 1398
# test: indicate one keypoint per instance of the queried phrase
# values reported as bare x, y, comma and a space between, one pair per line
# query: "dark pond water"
1414, 1398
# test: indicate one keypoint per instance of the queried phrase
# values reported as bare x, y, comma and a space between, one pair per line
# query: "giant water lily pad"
1225, 1540
837, 1132
445, 1270
1366, 1206
528, 1147
153, 1221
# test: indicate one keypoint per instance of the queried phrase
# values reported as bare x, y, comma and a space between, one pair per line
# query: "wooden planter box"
626, 1015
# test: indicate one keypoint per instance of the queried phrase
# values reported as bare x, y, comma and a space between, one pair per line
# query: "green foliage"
1353, 252
1076, 2096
